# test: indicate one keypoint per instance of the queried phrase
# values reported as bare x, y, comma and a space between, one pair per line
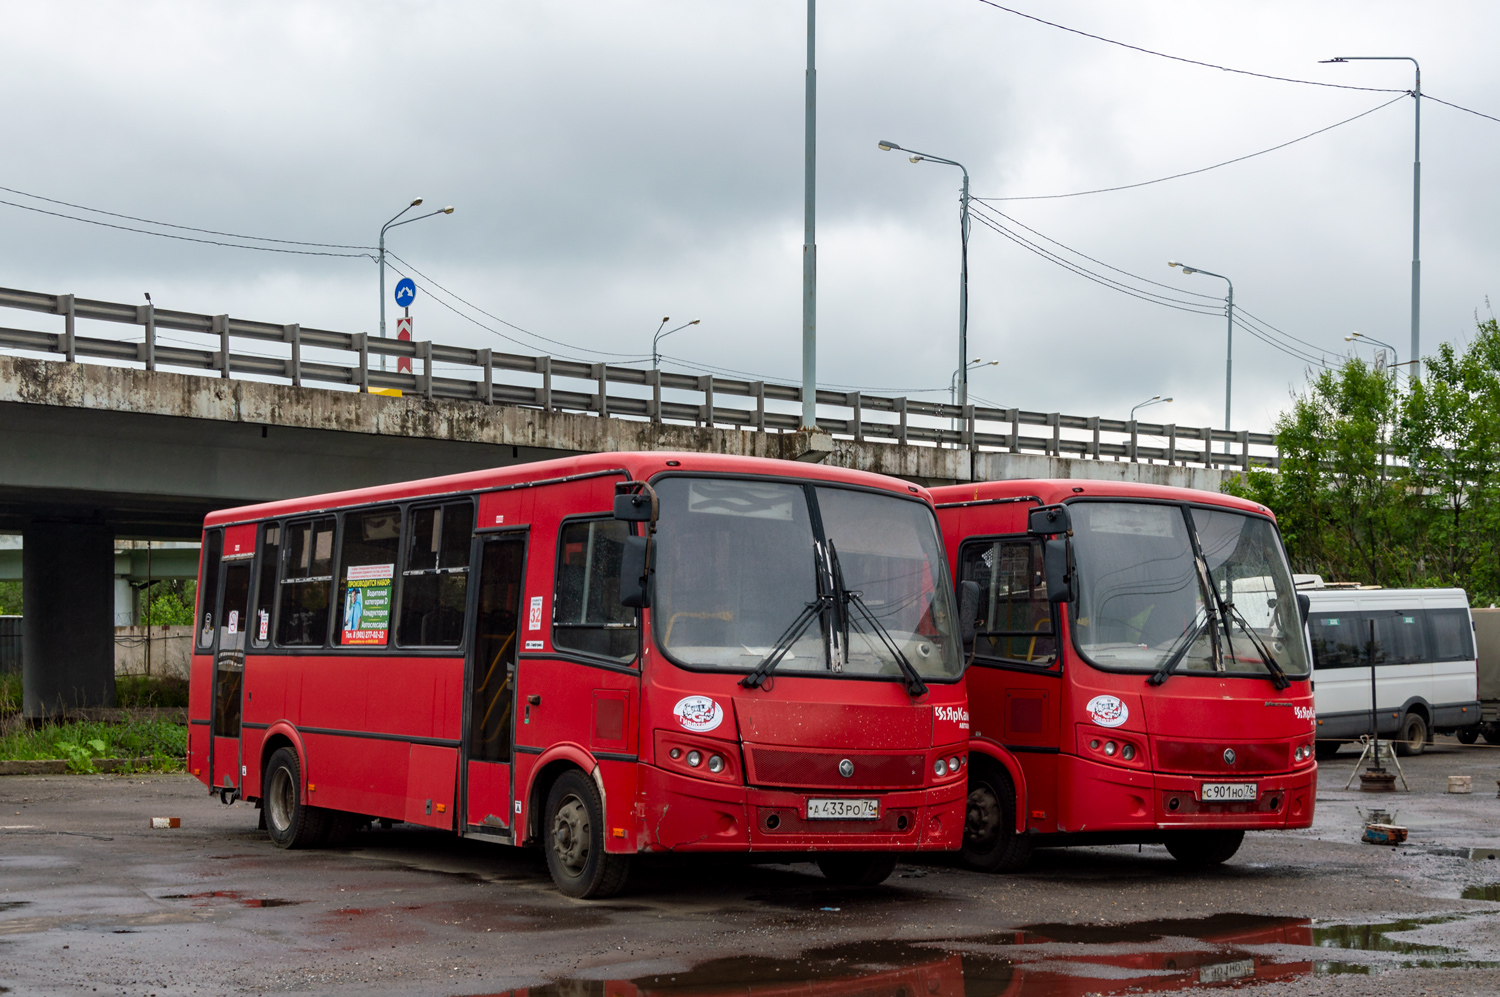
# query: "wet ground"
93, 901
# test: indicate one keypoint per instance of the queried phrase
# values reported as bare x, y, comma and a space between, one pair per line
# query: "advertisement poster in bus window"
367, 604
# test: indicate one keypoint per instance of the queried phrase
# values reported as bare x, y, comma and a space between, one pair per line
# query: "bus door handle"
534, 700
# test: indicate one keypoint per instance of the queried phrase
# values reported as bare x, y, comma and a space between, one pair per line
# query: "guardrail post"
706, 413
220, 326
1134, 441
1094, 425
361, 346
1055, 421
601, 401
486, 360
293, 334
758, 389
1015, 430
146, 315
1245, 450
544, 393
424, 350
901, 426
968, 430
1172, 444
66, 308
1208, 447
654, 379
852, 399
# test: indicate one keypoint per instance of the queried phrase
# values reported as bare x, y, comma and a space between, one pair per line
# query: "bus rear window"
435, 584
306, 578
367, 575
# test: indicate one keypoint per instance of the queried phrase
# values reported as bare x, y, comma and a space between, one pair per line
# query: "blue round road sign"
406, 291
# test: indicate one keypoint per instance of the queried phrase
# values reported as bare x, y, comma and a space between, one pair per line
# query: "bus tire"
1467, 735
573, 838
1491, 734
290, 822
1202, 849
991, 843
1413, 735
857, 868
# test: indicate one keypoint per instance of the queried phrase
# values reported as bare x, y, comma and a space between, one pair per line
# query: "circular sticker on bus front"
698, 713
1107, 711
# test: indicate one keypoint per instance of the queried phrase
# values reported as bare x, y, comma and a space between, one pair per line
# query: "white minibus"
1421, 645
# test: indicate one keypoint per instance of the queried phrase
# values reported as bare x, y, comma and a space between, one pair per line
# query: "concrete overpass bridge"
141, 432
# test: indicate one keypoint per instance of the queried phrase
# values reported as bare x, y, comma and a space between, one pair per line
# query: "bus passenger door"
229, 672
490, 687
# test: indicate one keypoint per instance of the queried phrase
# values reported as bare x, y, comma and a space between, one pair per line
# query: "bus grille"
1208, 759
789, 820
820, 769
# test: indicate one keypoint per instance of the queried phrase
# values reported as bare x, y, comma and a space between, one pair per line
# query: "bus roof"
1053, 490
640, 465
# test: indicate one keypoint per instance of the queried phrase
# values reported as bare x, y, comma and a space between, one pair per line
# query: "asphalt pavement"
92, 900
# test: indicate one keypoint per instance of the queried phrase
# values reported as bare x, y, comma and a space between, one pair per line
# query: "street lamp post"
1395, 357
974, 364
655, 356
963, 279
1229, 337
393, 223
1416, 202
809, 229
1153, 400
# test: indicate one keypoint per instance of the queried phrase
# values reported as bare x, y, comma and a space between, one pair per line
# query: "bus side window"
367, 576
1015, 618
1398, 636
1452, 638
208, 588
1338, 639
586, 611
435, 582
265, 589
306, 578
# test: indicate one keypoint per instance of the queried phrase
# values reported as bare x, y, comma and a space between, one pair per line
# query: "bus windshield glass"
739, 561
1142, 601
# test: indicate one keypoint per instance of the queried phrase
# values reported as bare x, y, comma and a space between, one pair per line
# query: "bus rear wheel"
1413, 737
1202, 849
857, 868
991, 843
574, 840
290, 822
1468, 735
1491, 734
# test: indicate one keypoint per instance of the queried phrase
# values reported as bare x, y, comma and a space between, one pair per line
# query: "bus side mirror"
1049, 520
1055, 569
635, 502
968, 610
633, 555
1304, 606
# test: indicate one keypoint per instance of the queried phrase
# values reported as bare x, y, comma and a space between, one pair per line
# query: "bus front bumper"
1121, 799
685, 814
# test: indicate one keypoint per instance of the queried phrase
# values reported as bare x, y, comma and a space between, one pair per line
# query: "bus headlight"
1127, 752
939, 767
1110, 748
694, 759
953, 764
715, 764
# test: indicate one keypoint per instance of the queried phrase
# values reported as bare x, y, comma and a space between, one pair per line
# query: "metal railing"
497, 380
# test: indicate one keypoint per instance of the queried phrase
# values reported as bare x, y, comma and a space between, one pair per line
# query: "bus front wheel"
290, 822
1201, 849
1413, 737
574, 840
857, 869
991, 843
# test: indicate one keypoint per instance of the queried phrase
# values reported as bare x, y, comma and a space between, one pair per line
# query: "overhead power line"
185, 228
1178, 58
1205, 169
1459, 107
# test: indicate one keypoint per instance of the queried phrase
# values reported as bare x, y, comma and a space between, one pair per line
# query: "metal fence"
496, 378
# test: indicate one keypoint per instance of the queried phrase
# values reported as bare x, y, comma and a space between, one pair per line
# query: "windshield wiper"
1184, 641
915, 687
767, 665
1278, 675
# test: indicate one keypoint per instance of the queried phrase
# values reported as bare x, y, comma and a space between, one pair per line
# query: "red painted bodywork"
353, 718
1035, 722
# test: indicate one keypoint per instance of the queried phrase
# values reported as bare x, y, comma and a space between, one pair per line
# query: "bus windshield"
739, 561
1141, 601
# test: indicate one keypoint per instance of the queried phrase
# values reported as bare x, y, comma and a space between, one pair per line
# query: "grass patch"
80, 742
10, 692
141, 691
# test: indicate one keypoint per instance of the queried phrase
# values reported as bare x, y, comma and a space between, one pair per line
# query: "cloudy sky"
612, 163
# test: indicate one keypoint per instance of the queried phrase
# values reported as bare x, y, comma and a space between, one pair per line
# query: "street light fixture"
656, 357
393, 223
1153, 400
963, 283
1416, 201
1229, 336
1395, 357
974, 364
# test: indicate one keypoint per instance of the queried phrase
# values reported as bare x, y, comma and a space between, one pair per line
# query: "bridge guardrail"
909, 421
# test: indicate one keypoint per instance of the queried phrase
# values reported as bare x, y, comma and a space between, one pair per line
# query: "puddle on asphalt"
1049, 960
207, 899
1489, 891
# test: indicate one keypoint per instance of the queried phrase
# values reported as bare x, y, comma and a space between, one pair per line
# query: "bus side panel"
620, 784
362, 775
200, 689
1042, 791
431, 781
415, 697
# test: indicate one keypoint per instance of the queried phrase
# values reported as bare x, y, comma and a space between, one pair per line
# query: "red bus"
599, 655
1139, 673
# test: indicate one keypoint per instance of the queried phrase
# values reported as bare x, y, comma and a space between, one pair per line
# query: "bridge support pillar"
67, 594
